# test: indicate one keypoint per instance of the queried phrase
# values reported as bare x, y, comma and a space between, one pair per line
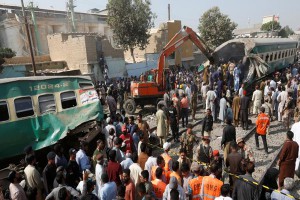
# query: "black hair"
59, 177
159, 160
112, 155
141, 188
185, 167
12, 176
250, 167
30, 158
175, 166
149, 151
225, 189
214, 168
290, 134
233, 145
62, 193
134, 157
57, 148
126, 171
104, 178
159, 172
143, 147
145, 174
182, 150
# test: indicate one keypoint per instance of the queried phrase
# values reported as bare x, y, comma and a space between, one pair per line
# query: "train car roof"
40, 78
252, 42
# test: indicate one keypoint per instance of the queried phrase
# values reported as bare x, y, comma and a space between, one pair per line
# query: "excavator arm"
187, 34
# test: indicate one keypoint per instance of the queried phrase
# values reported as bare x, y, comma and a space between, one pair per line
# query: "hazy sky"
243, 12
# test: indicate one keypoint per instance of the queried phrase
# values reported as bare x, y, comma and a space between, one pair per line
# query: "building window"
47, 103
68, 99
4, 114
24, 107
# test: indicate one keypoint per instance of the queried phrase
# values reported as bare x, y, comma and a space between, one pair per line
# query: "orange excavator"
150, 92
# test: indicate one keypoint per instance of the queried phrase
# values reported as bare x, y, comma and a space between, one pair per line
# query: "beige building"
81, 51
159, 38
47, 22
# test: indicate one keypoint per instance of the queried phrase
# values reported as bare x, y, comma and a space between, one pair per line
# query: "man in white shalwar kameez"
210, 101
222, 113
296, 130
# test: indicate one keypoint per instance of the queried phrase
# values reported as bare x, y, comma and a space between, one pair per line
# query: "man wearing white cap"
173, 184
167, 157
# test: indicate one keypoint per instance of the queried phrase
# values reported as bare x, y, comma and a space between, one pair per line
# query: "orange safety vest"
195, 185
211, 188
167, 159
179, 180
262, 123
167, 170
153, 170
159, 187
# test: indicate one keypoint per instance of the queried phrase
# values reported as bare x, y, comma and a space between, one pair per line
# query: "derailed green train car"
40, 111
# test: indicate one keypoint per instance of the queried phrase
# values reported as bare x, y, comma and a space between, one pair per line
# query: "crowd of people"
124, 166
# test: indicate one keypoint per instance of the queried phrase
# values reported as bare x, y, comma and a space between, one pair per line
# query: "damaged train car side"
40, 111
260, 56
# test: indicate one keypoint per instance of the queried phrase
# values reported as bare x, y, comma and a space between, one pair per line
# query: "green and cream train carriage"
40, 111
261, 56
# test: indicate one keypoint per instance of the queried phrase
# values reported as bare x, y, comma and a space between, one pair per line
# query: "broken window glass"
47, 103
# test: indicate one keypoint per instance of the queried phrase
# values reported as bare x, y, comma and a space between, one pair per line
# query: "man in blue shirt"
288, 185
109, 189
81, 157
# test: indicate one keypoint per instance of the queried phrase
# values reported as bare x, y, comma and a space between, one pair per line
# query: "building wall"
158, 39
48, 22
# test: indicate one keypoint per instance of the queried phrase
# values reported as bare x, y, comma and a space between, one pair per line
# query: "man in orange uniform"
211, 186
160, 163
262, 123
168, 161
158, 185
195, 183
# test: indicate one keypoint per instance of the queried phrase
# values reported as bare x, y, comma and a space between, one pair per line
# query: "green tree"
215, 27
130, 21
6, 53
286, 31
272, 25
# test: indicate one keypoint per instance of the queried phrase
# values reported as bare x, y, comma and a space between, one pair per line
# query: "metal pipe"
29, 39
36, 30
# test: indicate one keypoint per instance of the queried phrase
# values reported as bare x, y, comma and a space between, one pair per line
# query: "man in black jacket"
244, 107
207, 125
246, 190
229, 134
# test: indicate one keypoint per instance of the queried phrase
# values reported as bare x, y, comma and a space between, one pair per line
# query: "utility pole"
169, 12
36, 30
70, 7
29, 39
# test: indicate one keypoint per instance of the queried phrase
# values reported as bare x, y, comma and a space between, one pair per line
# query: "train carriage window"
271, 57
286, 53
68, 99
275, 56
267, 58
282, 54
24, 107
279, 55
86, 85
4, 114
47, 103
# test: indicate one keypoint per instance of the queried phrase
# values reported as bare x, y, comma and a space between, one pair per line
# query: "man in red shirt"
130, 188
114, 169
262, 123
127, 138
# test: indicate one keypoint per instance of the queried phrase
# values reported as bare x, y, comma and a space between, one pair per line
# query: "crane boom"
187, 34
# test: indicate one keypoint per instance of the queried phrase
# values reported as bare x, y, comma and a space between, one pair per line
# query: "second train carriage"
260, 56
